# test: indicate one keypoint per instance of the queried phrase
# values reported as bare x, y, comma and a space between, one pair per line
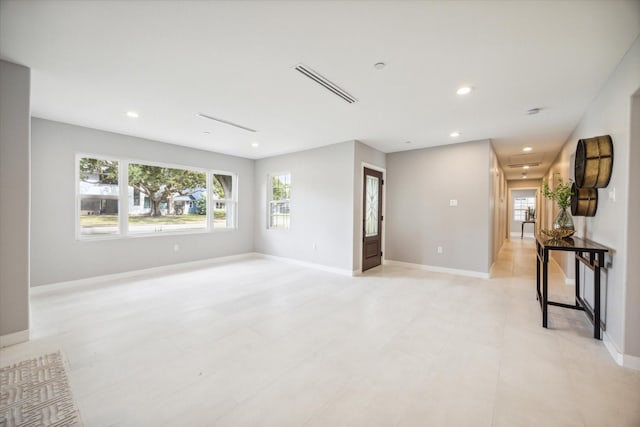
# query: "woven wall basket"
584, 201
594, 161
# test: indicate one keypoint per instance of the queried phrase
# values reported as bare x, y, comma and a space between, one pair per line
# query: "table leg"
577, 277
545, 286
596, 300
521, 230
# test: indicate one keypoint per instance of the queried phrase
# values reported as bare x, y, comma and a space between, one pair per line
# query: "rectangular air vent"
519, 160
327, 84
226, 122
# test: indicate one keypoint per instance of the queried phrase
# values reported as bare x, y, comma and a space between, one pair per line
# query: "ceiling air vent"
325, 83
226, 122
520, 160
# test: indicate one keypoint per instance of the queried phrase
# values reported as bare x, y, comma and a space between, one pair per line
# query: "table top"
570, 244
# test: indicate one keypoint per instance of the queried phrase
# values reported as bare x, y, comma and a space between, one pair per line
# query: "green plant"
561, 194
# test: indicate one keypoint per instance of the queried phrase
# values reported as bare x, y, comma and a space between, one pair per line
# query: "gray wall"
14, 190
610, 113
420, 184
55, 253
321, 206
371, 156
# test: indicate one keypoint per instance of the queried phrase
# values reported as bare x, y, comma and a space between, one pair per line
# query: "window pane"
280, 193
371, 223
171, 199
279, 214
223, 214
222, 186
98, 190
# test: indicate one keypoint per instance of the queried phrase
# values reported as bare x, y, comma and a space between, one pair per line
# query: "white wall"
15, 83
420, 184
377, 159
56, 254
321, 206
610, 113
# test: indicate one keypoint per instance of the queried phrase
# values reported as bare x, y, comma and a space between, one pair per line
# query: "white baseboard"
527, 235
436, 269
138, 273
625, 360
313, 265
14, 338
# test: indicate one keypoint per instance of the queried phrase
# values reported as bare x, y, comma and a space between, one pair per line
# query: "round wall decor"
594, 161
584, 201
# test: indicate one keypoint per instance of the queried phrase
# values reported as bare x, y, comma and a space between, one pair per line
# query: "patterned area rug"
35, 393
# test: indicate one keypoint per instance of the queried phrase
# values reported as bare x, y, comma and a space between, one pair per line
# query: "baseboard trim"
14, 338
624, 360
436, 269
343, 272
137, 273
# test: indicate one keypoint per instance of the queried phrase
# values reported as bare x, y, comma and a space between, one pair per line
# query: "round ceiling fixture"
255, 144
525, 167
133, 114
527, 149
379, 65
454, 134
464, 90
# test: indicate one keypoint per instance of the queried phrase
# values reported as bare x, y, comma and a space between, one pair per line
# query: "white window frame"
271, 201
233, 201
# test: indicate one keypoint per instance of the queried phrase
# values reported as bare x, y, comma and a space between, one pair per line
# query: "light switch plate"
453, 202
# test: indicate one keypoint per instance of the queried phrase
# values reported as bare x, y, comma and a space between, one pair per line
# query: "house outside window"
279, 201
224, 193
98, 196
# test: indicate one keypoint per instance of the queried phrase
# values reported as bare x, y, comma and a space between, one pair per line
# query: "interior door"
372, 220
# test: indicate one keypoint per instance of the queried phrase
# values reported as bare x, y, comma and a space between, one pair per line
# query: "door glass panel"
371, 207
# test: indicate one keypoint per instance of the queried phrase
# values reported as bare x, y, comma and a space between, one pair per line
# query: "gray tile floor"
260, 342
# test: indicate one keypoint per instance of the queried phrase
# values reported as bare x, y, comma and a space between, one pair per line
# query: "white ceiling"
93, 61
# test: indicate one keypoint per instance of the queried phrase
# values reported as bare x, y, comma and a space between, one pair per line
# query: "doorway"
372, 219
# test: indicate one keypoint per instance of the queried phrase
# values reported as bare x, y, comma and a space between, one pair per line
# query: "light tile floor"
263, 343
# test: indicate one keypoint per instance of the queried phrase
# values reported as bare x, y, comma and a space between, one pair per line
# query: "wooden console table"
590, 254
522, 227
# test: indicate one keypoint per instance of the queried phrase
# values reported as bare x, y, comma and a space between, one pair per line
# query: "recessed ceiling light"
464, 90
525, 167
206, 131
133, 114
533, 111
379, 65
524, 176
454, 134
407, 142
527, 149
254, 144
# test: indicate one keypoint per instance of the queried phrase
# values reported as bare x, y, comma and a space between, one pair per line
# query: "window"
279, 200
169, 192
98, 196
521, 205
224, 200
116, 197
